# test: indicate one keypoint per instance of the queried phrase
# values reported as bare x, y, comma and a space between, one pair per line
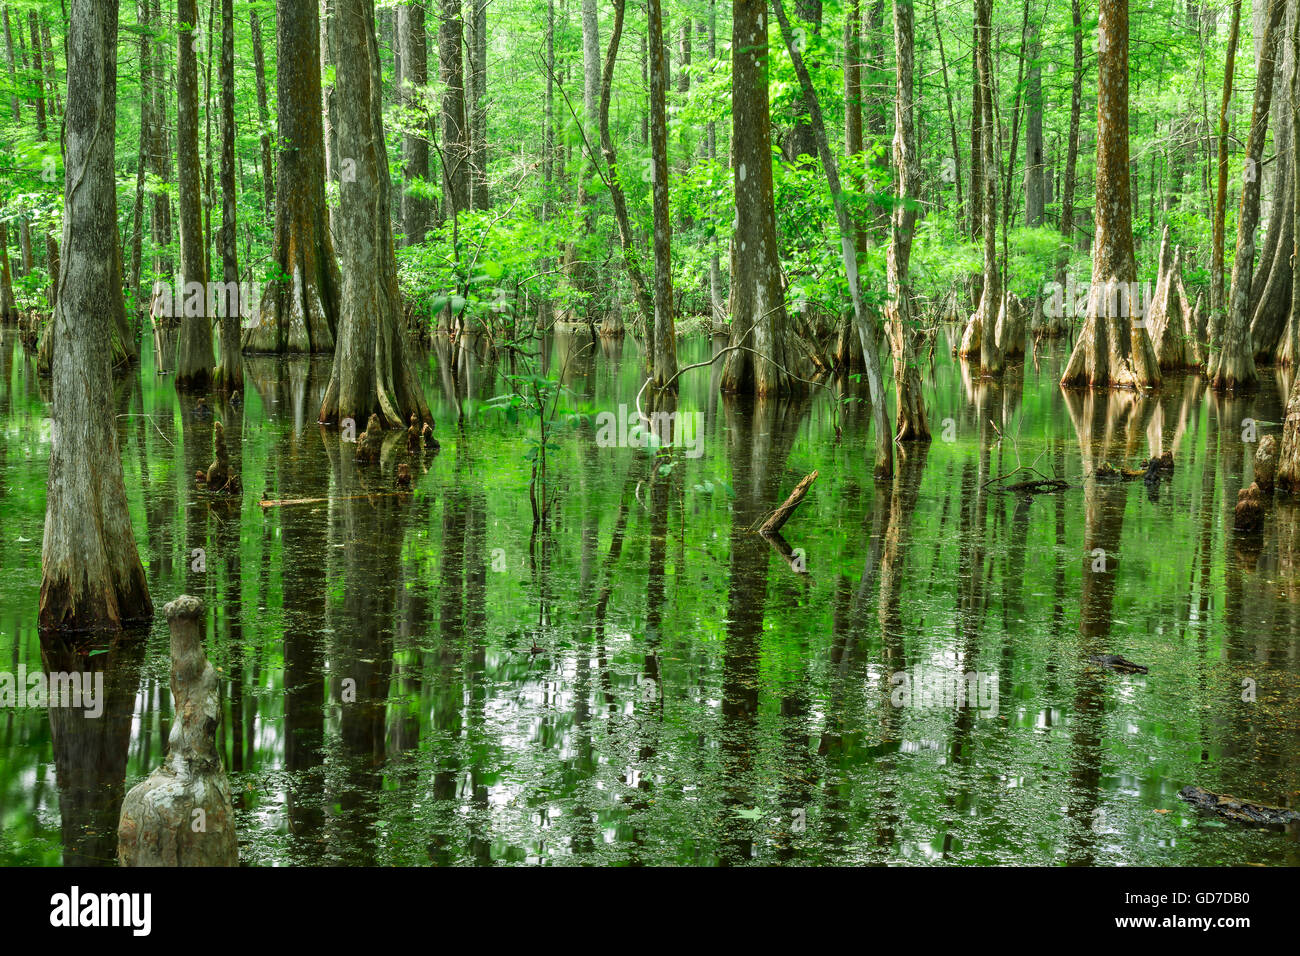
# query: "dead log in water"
782, 514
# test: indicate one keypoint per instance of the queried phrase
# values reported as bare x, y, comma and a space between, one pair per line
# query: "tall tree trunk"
981, 329
13, 78
455, 156
1232, 364
229, 375
884, 463
263, 116
194, 356
717, 301
160, 219
209, 180
664, 351
952, 118
51, 244
976, 131
1072, 145
758, 316
580, 271
631, 255
480, 197
372, 374
1288, 348
1034, 134
415, 148
38, 65
1220, 207
329, 114
91, 575
802, 141
1114, 349
852, 77
142, 153
8, 308
910, 422
1270, 298
548, 135
299, 310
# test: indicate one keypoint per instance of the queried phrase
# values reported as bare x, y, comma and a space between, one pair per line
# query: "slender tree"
1221, 202
1114, 349
194, 355
299, 306
1232, 360
884, 463
910, 423
761, 363
415, 146
372, 373
980, 336
263, 115
664, 351
229, 375
455, 149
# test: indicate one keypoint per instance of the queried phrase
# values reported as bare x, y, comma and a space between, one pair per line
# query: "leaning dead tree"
1114, 349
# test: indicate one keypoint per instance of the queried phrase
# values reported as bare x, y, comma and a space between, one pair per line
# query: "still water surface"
421, 679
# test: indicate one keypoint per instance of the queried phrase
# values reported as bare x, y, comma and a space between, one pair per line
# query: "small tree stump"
181, 815
1266, 464
371, 442
1249, 513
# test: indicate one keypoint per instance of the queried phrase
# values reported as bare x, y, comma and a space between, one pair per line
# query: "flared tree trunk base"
295, 316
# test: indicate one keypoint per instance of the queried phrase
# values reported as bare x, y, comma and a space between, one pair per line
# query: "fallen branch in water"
286, 502
1038, 486
782, 514
797, 561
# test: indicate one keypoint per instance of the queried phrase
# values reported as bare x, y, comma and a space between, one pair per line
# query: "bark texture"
910, 421
758, 314
372, 373
182, 813
194, 355
91, 576
229, 375
664, 351
1114, 349
1232, 361
298, 311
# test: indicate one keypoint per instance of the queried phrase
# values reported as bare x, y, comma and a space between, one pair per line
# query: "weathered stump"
371, 442
1249, 513
1266, 464
181, 815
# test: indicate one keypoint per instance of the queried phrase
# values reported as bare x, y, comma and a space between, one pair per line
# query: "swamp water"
421, 679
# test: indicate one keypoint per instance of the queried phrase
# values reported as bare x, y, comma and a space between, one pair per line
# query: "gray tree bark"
372, 373
91, 576
194, 354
